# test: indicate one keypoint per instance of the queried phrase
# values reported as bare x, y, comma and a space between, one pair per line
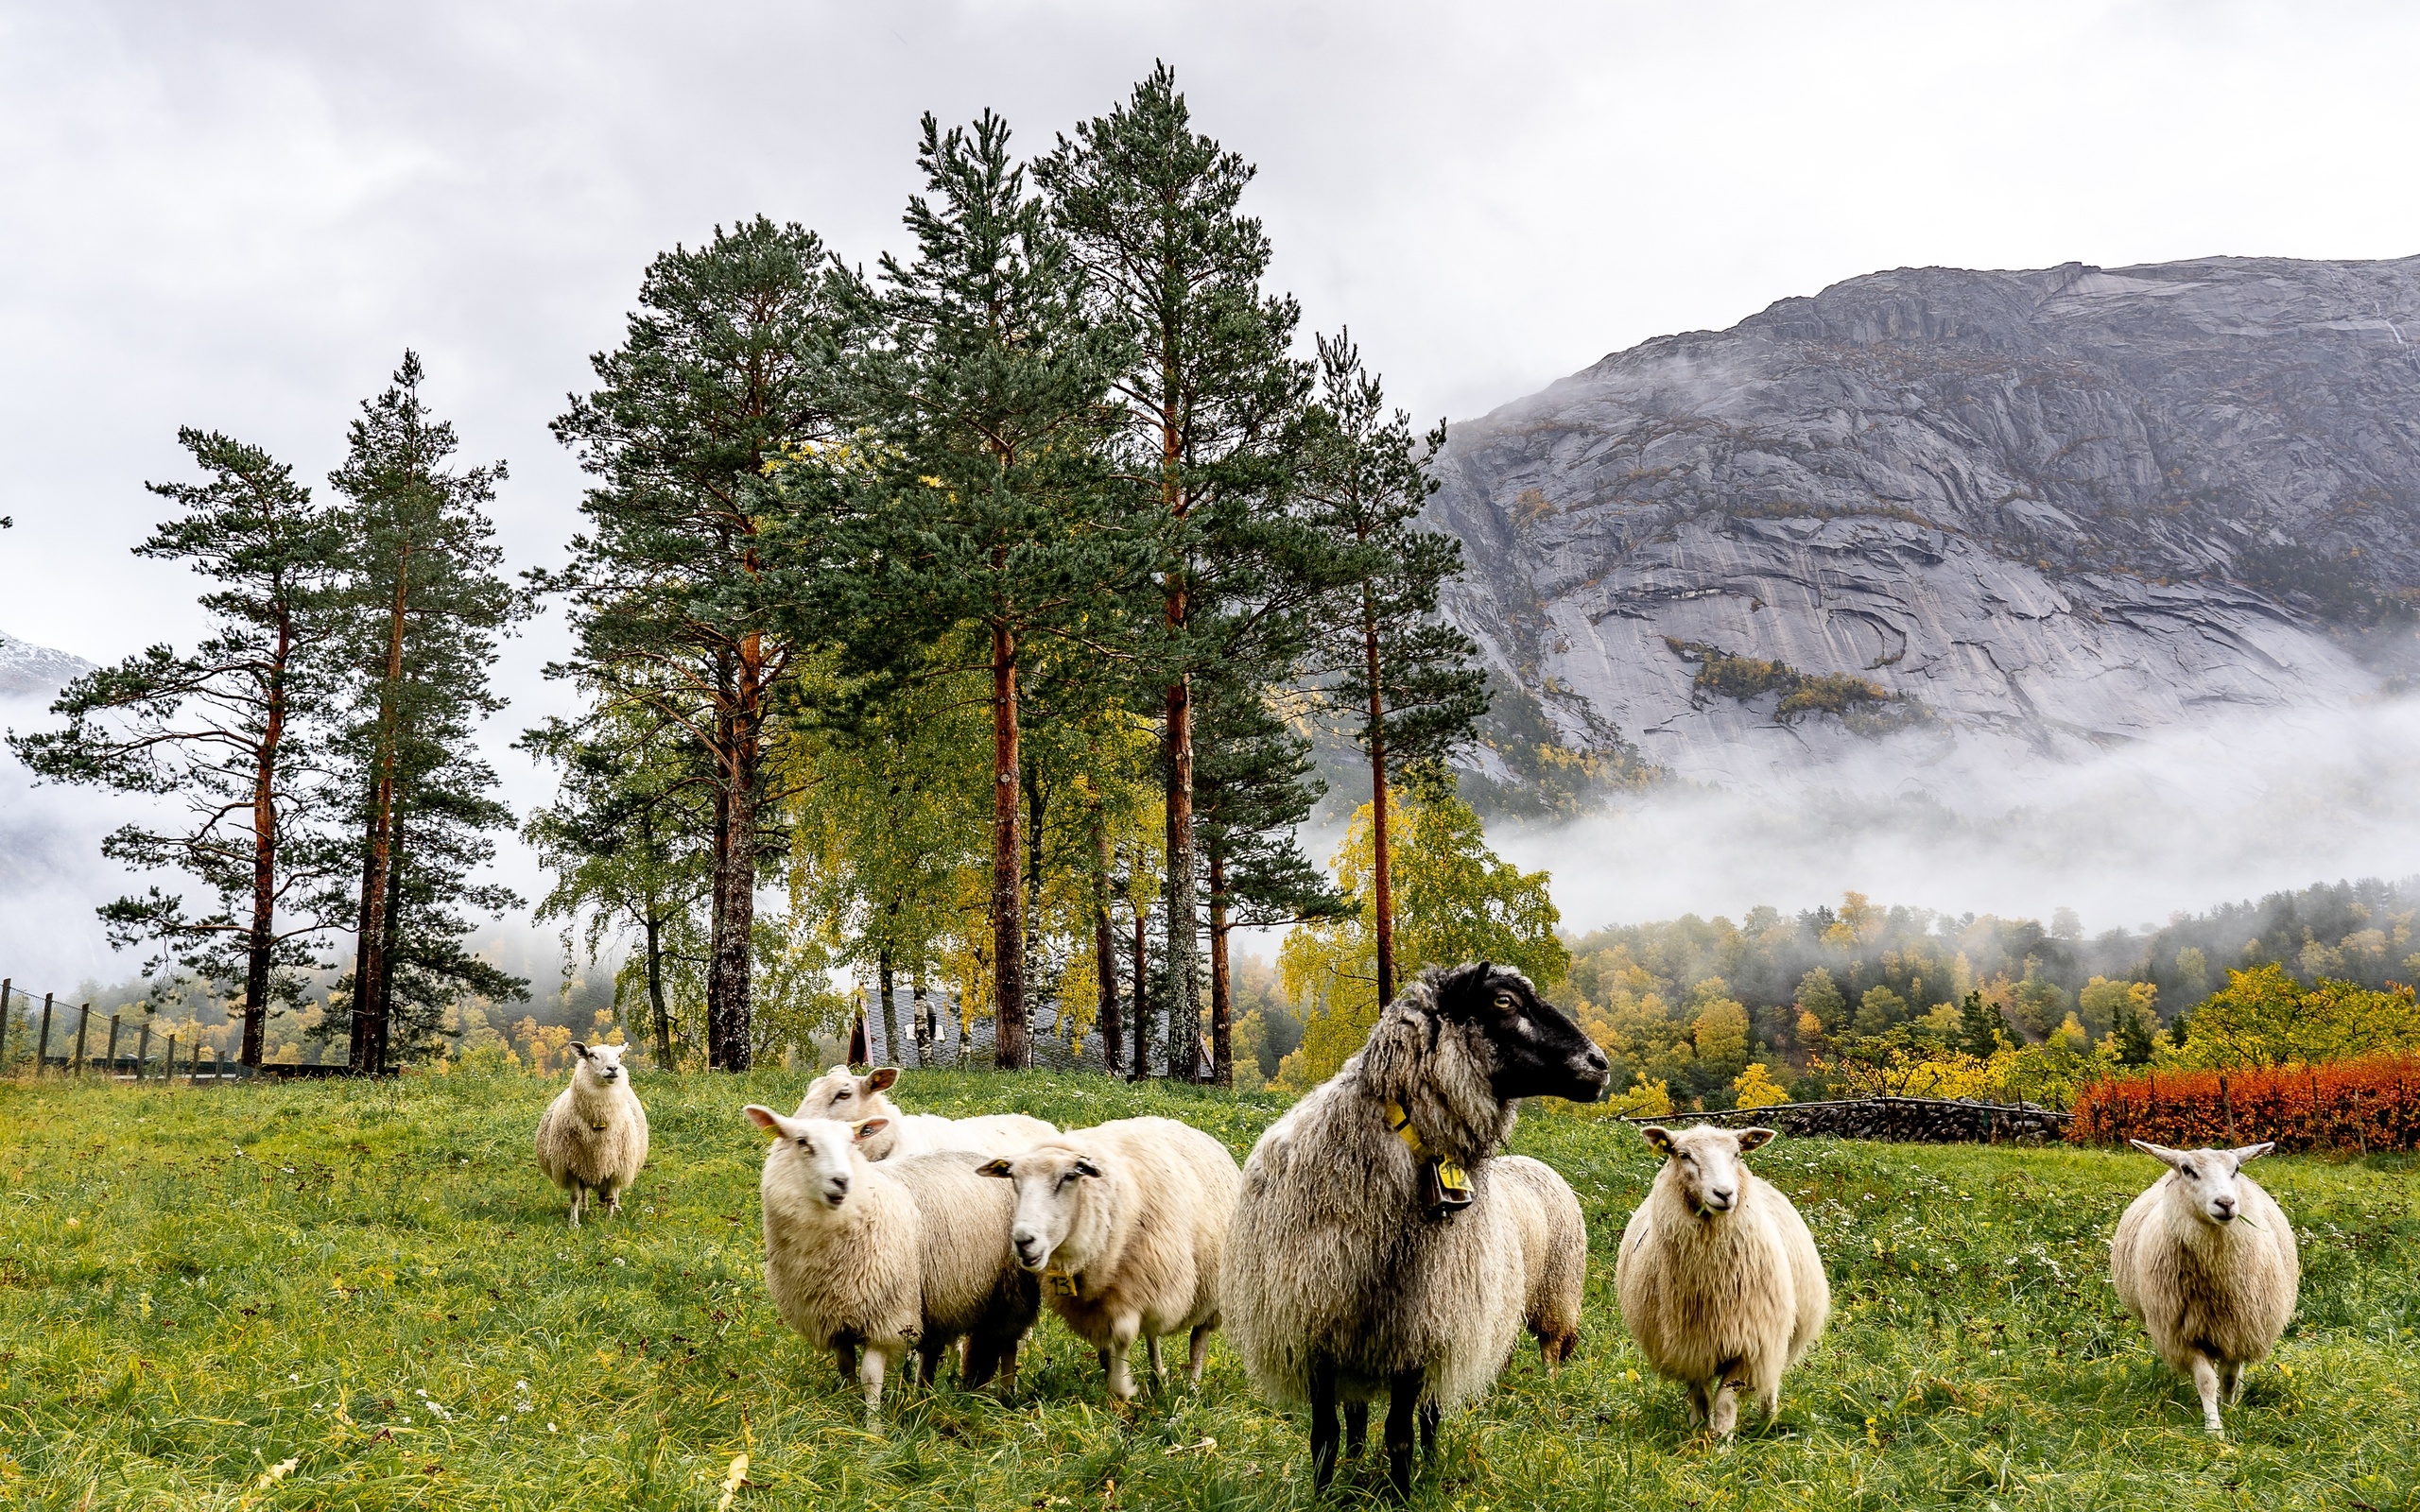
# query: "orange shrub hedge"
2371, 1104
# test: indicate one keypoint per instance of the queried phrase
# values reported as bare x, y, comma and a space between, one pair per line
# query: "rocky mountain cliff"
1946, 519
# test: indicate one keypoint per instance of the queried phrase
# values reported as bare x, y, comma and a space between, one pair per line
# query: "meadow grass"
372, 1281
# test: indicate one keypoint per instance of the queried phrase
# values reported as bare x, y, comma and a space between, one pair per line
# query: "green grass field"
373, 1282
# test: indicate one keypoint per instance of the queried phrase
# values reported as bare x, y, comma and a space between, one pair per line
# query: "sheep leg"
1356, 1428
1402, 1409
1197, 1355
1697, 1394
613, 1201
578, 1197
1430, 1413
1722, 1413
928, 1362
2231, 1382
1121, 1338
844, 1349
2206, 1381
1159, 1372
1008, 1357
869, 1374
1322, 1424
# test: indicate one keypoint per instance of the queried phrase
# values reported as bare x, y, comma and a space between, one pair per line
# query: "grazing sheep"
850, 1098
1126, 1222
1554, 1251
910, 1254
2207, 1261
1718, 1278
1371, 1253
593, 1137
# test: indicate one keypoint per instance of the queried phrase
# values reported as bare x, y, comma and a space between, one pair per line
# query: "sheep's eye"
1507, 1001
804, 1145
2184, 1171
1685, 1159
840, 1096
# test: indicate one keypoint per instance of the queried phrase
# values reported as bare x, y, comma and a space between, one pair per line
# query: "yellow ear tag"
1062, 1283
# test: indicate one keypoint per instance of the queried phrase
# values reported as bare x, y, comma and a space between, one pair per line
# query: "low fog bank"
52, 872
2229, 809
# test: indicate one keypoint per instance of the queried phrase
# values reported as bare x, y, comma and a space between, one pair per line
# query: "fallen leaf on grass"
1204, 1446
732, 1482
275, 1473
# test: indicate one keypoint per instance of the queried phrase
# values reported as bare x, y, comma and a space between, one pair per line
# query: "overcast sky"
238, 216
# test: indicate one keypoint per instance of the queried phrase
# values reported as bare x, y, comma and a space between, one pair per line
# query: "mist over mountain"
2006, 589
1962, 517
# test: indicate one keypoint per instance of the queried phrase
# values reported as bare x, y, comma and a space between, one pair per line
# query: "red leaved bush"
2371, 1104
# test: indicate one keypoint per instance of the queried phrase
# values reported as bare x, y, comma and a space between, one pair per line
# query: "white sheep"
1371, 1253
2207, 1261
910, 1254
1720, 1280
1554, 1251
593, 1137
841, 1094
1126, 1223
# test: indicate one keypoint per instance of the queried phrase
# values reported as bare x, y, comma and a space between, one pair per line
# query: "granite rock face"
2041, 514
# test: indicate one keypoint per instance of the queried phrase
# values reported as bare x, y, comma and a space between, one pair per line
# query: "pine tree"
223, 732
1150, 207
1402, 679
416, 612
629, 839
1978, 1026
1256, 786
973, 505
725, 370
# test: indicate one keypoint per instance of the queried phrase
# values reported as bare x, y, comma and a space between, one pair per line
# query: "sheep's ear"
2254, 1152
761, 1116
1659, 1139
837, 1071
868, 1128
580, 1050
2165, 1155
1750, 1139
1085, 1167
993, 1168
882, 1078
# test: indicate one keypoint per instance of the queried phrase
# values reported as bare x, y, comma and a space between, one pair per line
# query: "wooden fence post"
42, 1051
83, 1021
6, 982
171, 1077
112, 1061
142, 1052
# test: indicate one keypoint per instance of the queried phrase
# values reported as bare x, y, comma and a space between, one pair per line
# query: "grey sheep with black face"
1343, 1283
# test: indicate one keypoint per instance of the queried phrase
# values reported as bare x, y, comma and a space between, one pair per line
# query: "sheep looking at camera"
1126, 1223
1718, 1278
841, 1094
593, 1137
909, 1254
1554, 1251
1371, 1253
2207, 1261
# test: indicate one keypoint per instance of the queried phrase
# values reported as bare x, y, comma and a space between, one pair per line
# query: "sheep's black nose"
1597, 1060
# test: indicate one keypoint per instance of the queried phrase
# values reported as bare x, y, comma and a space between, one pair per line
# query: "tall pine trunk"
1184, 995
1009, 1048
264, 931
890, 984
1142, 999
662, 1018
1222, 1020
382, 1029
1113, 1040
728, 974
1381, 880
369, 949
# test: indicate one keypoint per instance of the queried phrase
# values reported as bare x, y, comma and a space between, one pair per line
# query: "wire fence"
45, 1037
